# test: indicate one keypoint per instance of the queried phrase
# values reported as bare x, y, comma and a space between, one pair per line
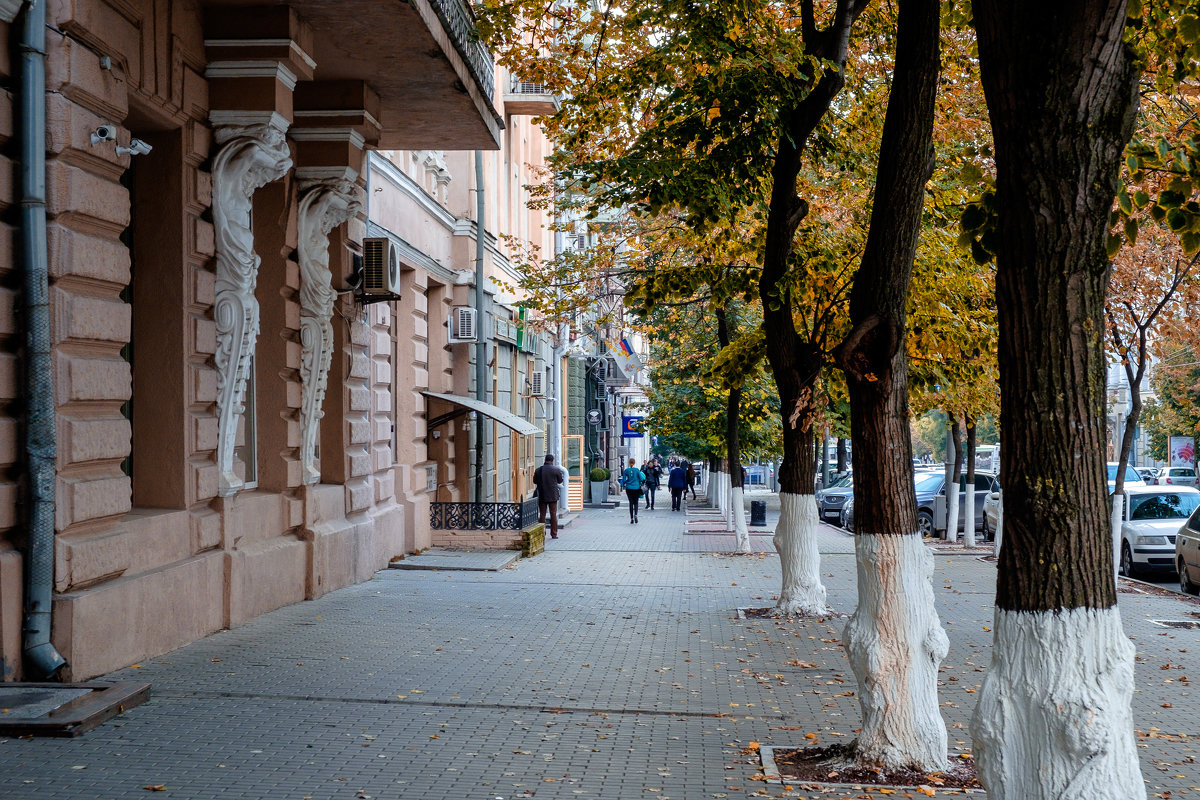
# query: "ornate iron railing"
483, 516
459, 22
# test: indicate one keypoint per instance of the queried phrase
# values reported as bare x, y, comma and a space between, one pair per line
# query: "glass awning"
505, 418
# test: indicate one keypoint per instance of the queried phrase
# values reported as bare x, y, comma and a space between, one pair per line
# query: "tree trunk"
733, 446
969, 496
1054, 720
843, 459
953, 475
894, 639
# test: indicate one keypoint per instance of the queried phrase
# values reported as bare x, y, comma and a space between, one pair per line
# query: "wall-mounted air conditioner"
381, 268
463, 324
537, 384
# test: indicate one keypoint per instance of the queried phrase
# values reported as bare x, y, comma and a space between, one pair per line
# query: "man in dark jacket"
677, 483
653, 478
548, 480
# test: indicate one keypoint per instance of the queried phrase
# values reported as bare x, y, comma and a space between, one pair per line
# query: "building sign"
631, 427
595, 416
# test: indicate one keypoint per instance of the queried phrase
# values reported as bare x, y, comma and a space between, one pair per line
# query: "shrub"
599, 474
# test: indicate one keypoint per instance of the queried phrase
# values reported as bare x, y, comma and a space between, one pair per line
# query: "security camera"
105, 133
137, 147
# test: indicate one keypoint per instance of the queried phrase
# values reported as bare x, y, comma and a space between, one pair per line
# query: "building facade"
232, 426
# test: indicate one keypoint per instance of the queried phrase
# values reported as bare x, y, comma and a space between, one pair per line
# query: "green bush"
599, 474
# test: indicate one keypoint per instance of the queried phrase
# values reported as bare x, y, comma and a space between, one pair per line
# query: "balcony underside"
431, 95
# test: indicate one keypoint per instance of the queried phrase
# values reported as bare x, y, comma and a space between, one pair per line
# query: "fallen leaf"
155, 787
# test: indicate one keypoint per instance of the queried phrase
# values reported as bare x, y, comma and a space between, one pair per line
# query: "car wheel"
925, 524
1128, 567
1185, 583
987, 532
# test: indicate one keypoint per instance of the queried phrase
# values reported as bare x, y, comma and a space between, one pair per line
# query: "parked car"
1187, 554
991, 512
1177, 476
831, 500
1149, 474
1150, 524
1131, 476
846, 517
931, 500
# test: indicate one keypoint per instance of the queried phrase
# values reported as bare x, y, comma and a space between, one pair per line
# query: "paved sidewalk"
611, 667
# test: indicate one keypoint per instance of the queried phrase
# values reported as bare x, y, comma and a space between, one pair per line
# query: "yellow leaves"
155, 787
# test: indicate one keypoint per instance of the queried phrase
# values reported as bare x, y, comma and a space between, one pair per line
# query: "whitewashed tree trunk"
802, 593
951, 534
1054, 720
1118, 509
969, 518
739, 520
895, 643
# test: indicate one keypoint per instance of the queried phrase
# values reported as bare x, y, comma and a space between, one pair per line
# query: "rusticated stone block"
83, 499
74, 253
83, 440
77, 191
89, 319
74, 70
205, 382
82, 379
204, 287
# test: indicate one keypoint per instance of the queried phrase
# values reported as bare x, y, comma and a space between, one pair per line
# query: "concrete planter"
599, 491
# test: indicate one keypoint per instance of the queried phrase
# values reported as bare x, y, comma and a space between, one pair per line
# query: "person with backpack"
632, 481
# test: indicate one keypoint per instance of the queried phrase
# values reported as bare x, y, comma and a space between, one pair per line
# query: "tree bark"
796, 361
969, 496
733, 447
1054, 720
894, 639
842, 456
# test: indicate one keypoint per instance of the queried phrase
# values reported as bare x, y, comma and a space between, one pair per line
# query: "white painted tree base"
895, 643
1054, 720
802, 594
952, 514
739, 520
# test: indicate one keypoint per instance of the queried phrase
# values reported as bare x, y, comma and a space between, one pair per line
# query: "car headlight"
1151, 540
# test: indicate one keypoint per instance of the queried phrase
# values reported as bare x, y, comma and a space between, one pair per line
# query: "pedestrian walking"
547, 484
691, 478
632, 481
677, 483
653, 478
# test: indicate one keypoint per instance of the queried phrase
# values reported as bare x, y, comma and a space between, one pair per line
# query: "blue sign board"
631, 427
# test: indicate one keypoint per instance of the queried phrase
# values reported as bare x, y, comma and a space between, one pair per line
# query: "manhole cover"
64, 709
1177, 623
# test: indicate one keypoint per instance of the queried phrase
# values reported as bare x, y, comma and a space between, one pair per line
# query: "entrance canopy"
505, 418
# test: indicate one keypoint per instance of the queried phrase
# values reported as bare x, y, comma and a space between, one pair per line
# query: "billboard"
631, 427
1182, 451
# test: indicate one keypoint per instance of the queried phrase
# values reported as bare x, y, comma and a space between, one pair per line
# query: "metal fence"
459, 22
483, 516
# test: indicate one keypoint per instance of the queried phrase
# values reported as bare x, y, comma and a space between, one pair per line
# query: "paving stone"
611, 667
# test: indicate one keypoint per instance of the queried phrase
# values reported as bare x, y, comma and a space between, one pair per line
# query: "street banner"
1182, 451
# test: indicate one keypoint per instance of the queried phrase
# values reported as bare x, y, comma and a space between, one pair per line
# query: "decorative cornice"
249, 158
324, 204
342, 112
231, 118
301, 134
251, 69
260, 43
398, 178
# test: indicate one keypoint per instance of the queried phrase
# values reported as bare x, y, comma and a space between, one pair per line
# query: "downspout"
481, 343
39, 390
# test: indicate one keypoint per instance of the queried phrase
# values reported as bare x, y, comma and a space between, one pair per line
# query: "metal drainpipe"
39, 389
481, 344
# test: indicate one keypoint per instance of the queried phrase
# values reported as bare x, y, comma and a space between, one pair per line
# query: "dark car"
931, 500
831, 500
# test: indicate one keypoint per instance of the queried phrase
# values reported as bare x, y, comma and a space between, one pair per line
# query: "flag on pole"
626, 348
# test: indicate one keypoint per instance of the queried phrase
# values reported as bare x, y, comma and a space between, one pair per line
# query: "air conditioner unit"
537, 384
381, 268
463, 326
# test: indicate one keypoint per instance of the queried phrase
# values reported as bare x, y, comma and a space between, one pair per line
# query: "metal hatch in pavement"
64, 709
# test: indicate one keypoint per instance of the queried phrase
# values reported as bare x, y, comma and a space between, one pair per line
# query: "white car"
991, 512
1177, 476
1131, 476
1150, 524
